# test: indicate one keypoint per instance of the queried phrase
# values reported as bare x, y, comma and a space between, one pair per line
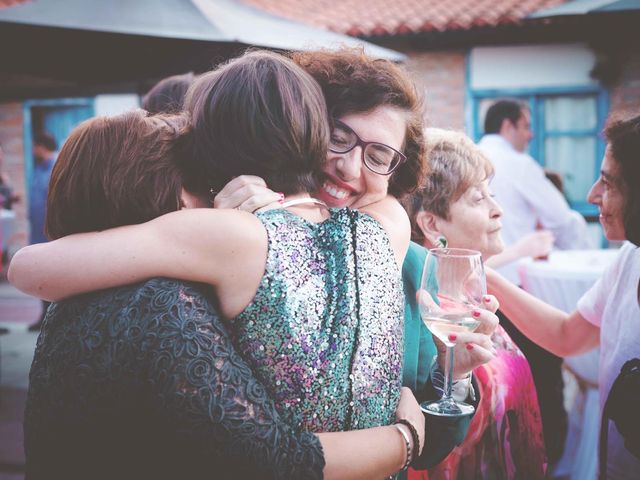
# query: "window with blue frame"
566, 126
57, 116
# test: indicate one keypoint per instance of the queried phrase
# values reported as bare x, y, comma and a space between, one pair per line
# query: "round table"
561, 281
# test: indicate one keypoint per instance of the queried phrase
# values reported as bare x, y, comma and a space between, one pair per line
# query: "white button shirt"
528, 197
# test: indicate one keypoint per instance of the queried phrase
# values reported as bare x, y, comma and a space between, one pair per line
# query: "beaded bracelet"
414, 434
408, 445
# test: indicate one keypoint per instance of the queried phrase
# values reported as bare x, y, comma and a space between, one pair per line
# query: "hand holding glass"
453, 283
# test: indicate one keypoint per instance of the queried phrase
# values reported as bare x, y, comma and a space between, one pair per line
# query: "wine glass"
452, 286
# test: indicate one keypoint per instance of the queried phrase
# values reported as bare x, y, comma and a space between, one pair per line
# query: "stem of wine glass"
448, 375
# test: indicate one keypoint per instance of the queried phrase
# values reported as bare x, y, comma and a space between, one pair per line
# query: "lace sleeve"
204, 388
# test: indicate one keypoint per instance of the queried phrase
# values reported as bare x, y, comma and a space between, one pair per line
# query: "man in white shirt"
527, 197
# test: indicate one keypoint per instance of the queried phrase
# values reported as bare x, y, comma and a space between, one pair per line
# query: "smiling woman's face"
348, 182
606, 194
474, 222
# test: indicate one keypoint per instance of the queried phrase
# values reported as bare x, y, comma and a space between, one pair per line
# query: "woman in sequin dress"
505, 436
369, 98
315, 294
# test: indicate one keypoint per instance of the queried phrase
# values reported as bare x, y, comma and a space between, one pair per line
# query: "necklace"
300, 201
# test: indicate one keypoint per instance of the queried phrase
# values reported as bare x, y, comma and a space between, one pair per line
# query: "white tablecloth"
561, 281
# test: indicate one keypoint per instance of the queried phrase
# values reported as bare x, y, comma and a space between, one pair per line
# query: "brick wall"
625, 94
11, 138
441, 76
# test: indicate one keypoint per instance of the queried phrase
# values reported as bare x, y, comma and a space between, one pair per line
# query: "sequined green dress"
324, 331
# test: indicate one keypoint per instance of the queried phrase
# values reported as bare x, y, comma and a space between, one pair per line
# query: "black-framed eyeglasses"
377, 157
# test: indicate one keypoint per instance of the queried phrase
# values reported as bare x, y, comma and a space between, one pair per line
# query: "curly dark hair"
353, 82
623, 136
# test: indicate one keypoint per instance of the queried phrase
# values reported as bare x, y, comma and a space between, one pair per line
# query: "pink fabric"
505, 436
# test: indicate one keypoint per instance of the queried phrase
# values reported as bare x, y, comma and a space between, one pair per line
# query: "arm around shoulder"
196, 245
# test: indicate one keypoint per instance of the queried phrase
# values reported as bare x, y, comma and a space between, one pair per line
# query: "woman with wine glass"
455, 208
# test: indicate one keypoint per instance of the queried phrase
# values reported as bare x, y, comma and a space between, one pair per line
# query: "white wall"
115, 104
531, 66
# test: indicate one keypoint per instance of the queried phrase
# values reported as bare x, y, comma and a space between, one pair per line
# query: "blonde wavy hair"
455, 164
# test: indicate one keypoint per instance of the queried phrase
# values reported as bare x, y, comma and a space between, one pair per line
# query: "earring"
441, 242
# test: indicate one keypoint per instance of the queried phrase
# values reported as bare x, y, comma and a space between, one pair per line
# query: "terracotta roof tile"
11, 3
386, 17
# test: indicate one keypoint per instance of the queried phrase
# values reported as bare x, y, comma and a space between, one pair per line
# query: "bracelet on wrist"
414, 435
407, 442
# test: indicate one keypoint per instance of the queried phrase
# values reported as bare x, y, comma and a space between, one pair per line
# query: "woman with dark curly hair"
376, 151
609, 313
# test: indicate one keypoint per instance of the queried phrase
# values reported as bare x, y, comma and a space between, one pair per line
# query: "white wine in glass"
453, 283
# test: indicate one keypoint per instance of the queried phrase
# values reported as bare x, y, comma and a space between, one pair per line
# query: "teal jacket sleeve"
442, 433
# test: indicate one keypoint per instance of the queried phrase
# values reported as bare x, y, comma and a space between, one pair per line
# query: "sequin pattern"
328, 367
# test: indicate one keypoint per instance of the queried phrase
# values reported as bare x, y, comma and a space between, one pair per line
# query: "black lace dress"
144, 382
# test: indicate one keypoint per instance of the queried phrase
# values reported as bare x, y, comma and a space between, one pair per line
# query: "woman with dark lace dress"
134, 387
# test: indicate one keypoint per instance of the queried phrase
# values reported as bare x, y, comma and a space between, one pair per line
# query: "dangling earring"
441, 242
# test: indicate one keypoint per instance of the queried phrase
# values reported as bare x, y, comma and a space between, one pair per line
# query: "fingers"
270, 206
242, 181
477, 355
260, 201
490, 303
471, 351
246, 195
478, 339
488, 321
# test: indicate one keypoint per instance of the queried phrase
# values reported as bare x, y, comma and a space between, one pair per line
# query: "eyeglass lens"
378, 157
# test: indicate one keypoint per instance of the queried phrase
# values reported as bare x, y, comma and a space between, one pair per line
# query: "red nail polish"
486, 299
469, 346
453, 337
476, 313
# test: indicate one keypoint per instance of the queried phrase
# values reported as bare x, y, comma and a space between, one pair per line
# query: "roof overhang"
588, 7
99, 41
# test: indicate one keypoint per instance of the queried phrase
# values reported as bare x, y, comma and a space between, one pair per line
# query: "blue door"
55, 116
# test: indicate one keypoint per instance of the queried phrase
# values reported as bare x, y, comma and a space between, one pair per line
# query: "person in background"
528, 198
167, 96
7, 198
454, 206
609, 313
7, 195
44, 155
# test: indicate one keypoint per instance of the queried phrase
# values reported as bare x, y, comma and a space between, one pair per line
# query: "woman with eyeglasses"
376, 151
